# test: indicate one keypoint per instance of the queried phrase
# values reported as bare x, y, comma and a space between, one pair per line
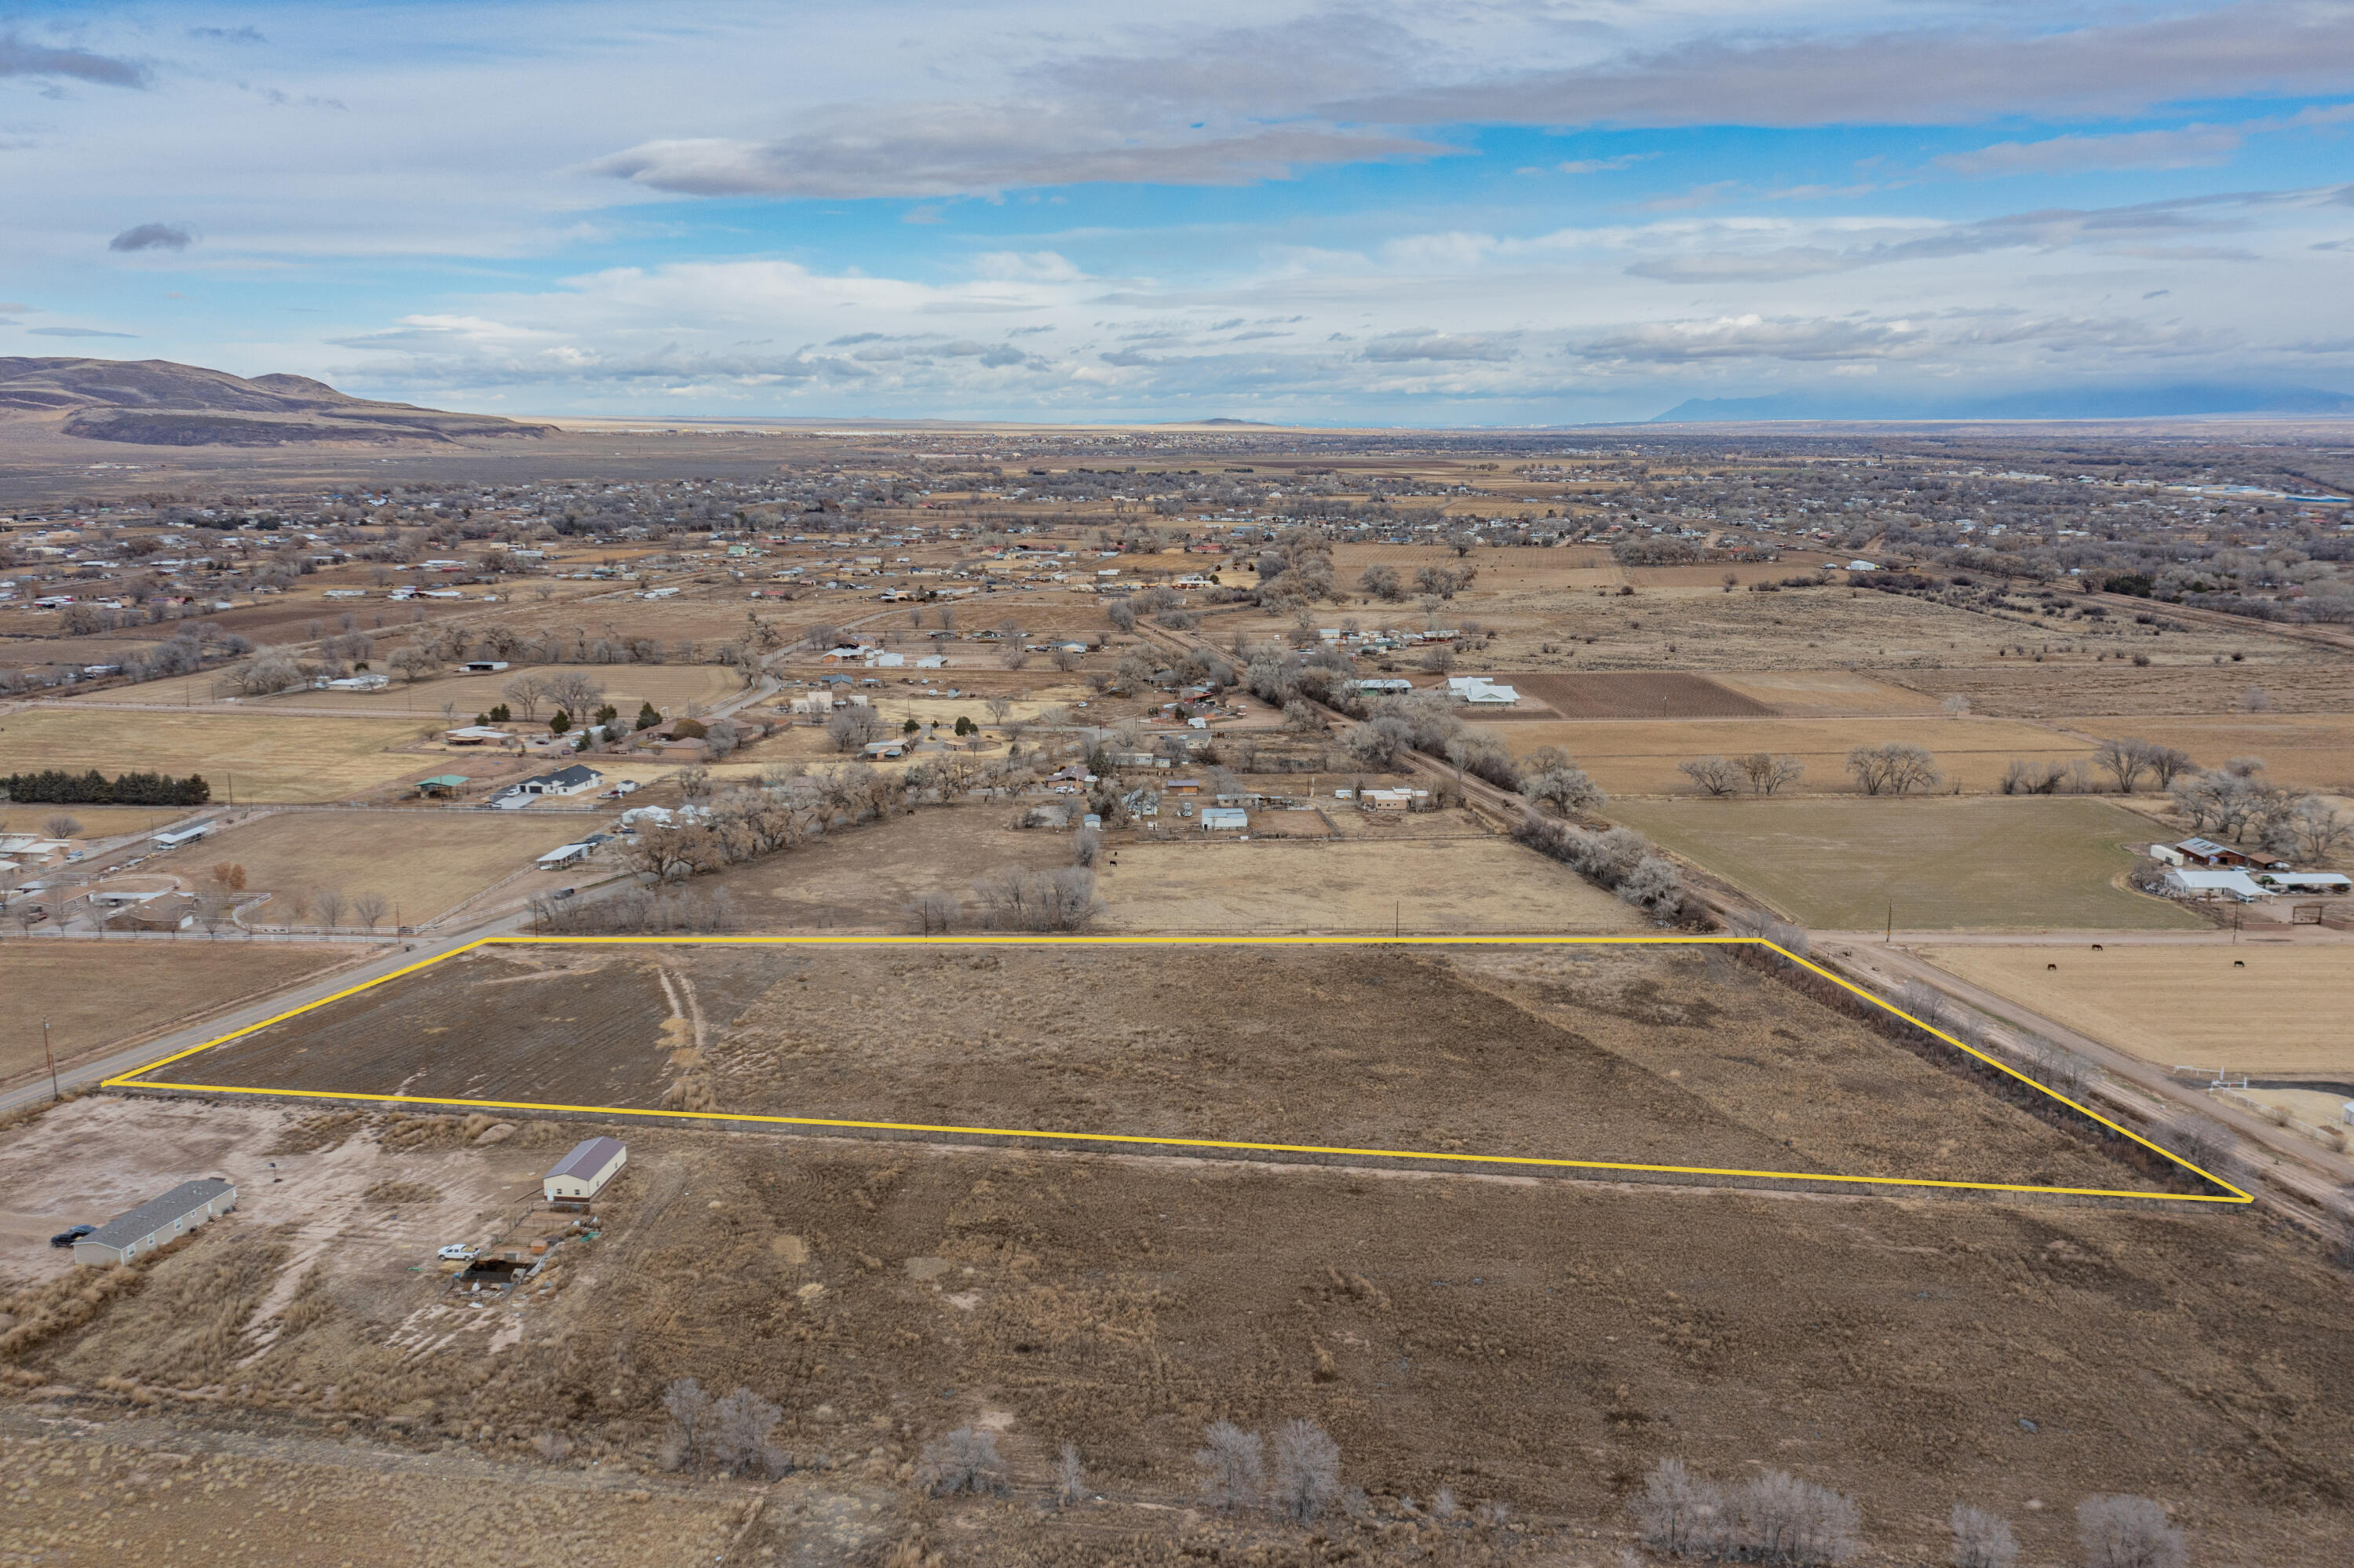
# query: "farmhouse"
476, 734
576, 779
582, 1174
2182, 882
158, 1221
1480, 692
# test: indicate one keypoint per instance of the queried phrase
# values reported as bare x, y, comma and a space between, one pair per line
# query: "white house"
1480, 691
582, 1174
2185, 881
576, 779
158, 1221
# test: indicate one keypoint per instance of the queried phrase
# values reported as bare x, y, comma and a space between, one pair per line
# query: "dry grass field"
96, 821
259, 756
425, 861
2313, 751
1640, 756
96, 993
1641, 694
1436, 885
1974, 863
2320, 682
1448, 1332
2246, 1008
670, 687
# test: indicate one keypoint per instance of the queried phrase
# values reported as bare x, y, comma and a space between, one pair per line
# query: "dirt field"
1824, 694
670, 687
1625, 695
263, 759
1991, 863
425, 861
1456, 884
1555, 1052
96, 993
1448, 1332
2251, 1008
1639, 756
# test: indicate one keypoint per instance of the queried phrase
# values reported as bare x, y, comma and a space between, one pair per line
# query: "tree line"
94, 789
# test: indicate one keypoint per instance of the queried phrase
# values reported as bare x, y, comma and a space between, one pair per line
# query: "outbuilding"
158, 1221
1223, 819
173, 838
582, 1174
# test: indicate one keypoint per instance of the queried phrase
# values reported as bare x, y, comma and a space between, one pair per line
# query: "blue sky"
1442, 213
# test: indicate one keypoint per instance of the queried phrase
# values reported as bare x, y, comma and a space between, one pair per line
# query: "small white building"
158, 1221
368, 681
1223, 819
582, 1174
484, 666
173, 838
562, 856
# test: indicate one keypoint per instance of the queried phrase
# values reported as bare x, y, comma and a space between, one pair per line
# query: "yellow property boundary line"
137, 1078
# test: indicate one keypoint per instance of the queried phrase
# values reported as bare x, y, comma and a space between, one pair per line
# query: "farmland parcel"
261, 757
2001, 863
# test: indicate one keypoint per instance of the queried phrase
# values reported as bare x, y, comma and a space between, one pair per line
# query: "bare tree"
853, 726
329, 903
1785, 1519
370, 908
1955, 705
1981, 1540
964, 1461
64, 825
1679, 1514
1306, 1470
1768, 773
1234, 1470
577, 692
689, 1409
1714, 774
1067, 659
2164, 762
1925, 1002
2125, 761
2256, 700
1894, 769
740, 1426
2128, 1532
527, 691
2318, 827
1071, 1479
999, 706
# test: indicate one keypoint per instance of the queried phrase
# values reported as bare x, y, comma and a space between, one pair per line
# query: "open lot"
1824, 693
1448, 1332
2249, 1008
1639, 756
1626, 693
2321, 683
2014, 863
96, 993
258, 756
1651, 1054
1468, 884
425, 861
96, 821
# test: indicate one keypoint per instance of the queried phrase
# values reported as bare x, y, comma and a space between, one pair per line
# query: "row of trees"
1776, 1517
1762, 772
1620, 859
94, 789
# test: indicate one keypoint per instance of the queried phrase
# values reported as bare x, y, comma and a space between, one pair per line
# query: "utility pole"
50, 1057
1889, 939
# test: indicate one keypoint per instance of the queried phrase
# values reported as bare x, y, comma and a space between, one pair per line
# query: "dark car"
67, 1238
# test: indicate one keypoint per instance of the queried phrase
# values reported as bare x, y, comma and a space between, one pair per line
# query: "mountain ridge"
161, 402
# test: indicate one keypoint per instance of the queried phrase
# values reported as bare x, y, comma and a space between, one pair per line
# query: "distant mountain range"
155, 402
2071, 403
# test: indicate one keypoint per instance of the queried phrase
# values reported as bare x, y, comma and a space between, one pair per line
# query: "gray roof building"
158, 1221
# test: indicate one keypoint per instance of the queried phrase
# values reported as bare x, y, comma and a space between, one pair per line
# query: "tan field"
98, 993
1639, 756
1443, 885
96, 821
2311, 751
259, 757
425, 861
2243, 1008
670, 687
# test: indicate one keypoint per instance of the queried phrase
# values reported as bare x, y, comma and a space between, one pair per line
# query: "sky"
1448, 213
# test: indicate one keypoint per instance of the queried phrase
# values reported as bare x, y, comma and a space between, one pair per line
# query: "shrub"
964, 1461
2128, 1532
